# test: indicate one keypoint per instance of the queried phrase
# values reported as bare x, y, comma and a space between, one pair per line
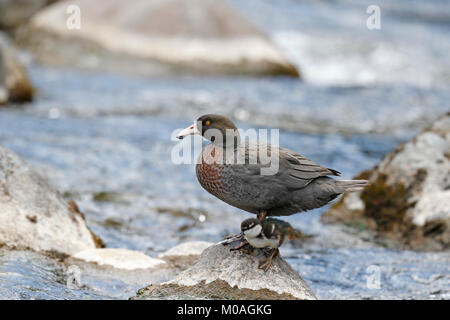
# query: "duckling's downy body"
268, 233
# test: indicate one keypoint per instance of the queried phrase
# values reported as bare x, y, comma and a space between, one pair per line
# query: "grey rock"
221, 274
134, 267
407, 201
155, 37
14, 83
129, 266
33, 216
119, 258
184, 255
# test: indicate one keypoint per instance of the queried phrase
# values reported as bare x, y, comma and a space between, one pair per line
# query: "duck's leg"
232, 238
262, 215
240, 246
265, 264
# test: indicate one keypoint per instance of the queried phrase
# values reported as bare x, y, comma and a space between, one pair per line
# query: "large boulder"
407, 202
221, 274
33, 216
14, 83
154, 37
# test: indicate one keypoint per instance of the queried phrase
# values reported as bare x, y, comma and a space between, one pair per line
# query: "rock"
119, 258
190, 248
14, 13
135, 267
154, 37
129, 266
407, 203
33, 216
183, 255
14, 83
221, 274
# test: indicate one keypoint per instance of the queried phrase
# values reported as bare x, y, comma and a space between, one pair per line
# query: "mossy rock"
406, 203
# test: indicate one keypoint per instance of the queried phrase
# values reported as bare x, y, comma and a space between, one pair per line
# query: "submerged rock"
407, 202
154, 37
221, 274
14, 83
33, 216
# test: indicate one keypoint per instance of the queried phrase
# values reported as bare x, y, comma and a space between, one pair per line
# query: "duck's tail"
351, 185
297, 234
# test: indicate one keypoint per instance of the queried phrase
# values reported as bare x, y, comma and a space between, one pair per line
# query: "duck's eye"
207, 122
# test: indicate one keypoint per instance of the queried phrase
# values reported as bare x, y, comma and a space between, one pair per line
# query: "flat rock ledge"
119, 258
129, 266
221, 274
407, 202
135, 267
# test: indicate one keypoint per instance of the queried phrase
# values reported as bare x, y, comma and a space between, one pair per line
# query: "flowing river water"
104, 140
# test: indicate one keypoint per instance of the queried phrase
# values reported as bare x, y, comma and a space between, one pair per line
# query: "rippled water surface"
105, 141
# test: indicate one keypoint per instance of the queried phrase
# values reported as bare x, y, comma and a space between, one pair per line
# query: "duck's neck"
231, 139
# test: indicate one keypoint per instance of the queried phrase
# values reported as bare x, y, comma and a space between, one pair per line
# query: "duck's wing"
299, 171
273, 228
292, 171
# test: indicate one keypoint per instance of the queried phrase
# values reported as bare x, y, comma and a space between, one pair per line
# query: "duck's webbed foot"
232, 238
265, 264
240, 246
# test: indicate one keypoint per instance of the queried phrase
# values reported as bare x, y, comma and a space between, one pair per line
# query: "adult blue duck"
233, 171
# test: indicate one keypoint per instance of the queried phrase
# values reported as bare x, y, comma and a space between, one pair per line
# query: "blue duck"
297, 185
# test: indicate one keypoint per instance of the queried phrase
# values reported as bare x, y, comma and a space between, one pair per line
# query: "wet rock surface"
33, 216
158, 37
119, 258
407, 203
14, 83
221, 274
129, 266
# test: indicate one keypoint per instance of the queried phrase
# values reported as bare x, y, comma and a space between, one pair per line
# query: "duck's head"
213, 127
251, 228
